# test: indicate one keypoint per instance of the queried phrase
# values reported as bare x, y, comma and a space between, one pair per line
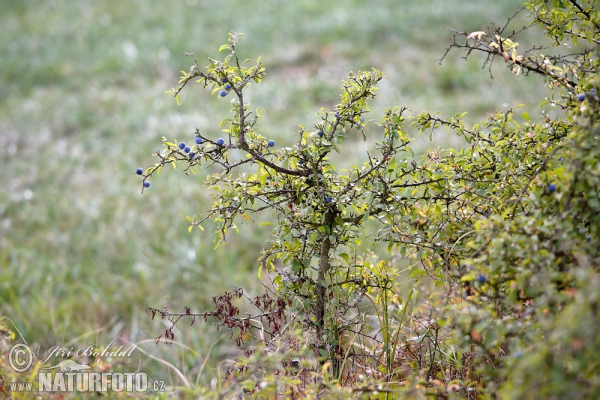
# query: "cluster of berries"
140, 171
188, 150
226, 88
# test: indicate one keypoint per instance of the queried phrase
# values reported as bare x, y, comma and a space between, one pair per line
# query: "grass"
82, 253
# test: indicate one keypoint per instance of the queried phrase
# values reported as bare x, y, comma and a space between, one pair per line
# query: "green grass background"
82, 104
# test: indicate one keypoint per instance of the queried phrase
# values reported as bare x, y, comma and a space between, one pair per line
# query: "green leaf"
178, 100
417, 273
345, 257
296, 266
223, 47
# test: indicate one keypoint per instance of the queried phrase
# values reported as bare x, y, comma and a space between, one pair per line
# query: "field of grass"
82, 105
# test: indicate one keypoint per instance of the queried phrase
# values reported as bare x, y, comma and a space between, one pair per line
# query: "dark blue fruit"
581, 97
187, 149
220, 141
271, 143
588, 238
228, 87
146, 184
320, 133
551, 187
328, 199
223, 93
139, 171
181, 145
481, 278
198, 140
192, 155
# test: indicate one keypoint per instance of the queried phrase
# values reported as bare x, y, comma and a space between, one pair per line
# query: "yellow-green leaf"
224, 122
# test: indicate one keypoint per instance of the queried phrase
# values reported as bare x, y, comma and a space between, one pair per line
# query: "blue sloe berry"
220, 141
581, 97
187, 149
139, 171
181, 145
271, 143
198, 140
228, 87
481, 278
223, 93
551, 187
146, 184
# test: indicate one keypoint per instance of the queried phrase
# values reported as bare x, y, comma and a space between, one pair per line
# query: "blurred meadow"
83, 253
